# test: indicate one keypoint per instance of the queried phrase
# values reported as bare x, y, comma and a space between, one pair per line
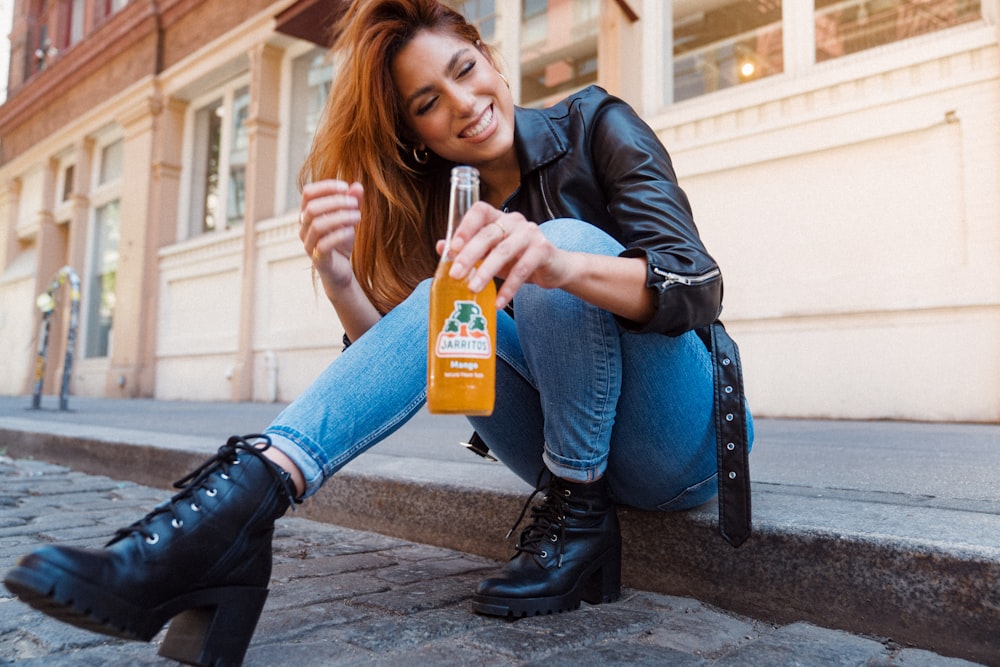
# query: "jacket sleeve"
655, 220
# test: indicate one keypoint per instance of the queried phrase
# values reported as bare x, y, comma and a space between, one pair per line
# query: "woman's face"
454, 100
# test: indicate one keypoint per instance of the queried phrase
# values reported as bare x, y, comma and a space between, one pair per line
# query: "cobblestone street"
347, 597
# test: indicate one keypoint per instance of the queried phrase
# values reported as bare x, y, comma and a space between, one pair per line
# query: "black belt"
732, 442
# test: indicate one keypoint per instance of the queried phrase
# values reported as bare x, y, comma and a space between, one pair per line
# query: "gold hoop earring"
421, 155
504, 79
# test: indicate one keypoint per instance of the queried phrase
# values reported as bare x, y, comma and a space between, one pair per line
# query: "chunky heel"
605, 585
216, 632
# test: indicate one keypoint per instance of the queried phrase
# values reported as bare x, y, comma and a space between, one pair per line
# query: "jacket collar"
536, 138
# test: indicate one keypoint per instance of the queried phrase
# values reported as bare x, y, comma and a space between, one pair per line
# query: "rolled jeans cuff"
307, 465
572, 470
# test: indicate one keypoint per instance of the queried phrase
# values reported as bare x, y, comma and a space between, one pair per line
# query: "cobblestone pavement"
345, 597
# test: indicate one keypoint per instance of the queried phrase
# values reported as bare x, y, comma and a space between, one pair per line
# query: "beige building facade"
842, 158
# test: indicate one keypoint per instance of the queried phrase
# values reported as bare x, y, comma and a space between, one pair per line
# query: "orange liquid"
461, 349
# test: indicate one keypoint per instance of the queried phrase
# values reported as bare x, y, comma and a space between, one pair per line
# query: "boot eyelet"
176, 523
153, 540
554, 538
224, 475
195, 507
211, 493
544, 554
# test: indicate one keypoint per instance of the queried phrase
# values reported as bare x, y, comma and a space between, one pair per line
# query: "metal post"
47, 304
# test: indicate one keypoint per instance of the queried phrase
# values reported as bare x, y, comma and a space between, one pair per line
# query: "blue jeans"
575, 393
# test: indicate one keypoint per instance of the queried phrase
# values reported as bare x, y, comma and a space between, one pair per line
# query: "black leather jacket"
592, 158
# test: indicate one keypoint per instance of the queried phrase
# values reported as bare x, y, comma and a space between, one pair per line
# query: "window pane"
239, 143
111, 162
722, 44
67, 185
103, 273
76, 9
558, 48
205, 178
312, 78
849, 26
480, 13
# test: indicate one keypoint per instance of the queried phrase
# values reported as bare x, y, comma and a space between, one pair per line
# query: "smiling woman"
458, 106
583, 227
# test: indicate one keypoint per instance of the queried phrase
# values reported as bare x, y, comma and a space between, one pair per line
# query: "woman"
629, 413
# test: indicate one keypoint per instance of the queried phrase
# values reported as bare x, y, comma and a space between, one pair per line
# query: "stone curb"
919, 592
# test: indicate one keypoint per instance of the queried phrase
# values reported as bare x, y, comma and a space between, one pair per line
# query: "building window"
237, 162
724, 46
312, 79
221, 142
67, 182
480, 13
41, 49
102, 269
111, 6
848, 26
103, 274
72, 22
558, 48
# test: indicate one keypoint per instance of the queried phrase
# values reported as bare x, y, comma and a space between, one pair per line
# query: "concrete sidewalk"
885, 529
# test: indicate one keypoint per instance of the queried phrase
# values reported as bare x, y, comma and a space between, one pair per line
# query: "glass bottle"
461, 347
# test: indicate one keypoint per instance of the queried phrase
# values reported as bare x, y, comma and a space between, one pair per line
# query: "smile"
479, 127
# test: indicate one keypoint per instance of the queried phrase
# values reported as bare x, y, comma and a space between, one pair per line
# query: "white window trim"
101, 194
185, 220
285, 168
802, 72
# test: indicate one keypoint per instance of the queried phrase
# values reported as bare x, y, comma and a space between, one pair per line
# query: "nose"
464, 100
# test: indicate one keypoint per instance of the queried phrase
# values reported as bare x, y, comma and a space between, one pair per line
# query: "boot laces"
547, 528
197, 480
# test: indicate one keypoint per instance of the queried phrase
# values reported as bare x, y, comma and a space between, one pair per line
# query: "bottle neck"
463, 195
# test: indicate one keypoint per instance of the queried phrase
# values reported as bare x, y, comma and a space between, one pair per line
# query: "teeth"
481, 125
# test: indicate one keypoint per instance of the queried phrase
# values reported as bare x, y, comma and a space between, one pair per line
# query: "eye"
426, 106
468, 67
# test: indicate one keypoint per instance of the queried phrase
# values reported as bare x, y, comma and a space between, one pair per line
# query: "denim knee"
576, 235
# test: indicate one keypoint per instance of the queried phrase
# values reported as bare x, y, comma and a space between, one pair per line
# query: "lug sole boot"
202, 558
570, 553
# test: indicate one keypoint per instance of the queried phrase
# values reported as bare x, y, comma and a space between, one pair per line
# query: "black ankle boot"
570, 552
202, 558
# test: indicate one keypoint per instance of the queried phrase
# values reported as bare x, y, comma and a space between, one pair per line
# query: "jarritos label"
465, 333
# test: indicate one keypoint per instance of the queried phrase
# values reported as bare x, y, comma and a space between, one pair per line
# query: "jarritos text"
465, 333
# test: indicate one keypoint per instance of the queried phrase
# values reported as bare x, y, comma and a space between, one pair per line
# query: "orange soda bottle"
461, 346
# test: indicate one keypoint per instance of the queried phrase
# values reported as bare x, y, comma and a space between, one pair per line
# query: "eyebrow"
426, 89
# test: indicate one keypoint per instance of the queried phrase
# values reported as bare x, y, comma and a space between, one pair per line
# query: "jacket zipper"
545, 200
670, 278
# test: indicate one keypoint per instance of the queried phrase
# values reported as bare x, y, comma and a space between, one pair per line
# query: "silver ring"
503, 230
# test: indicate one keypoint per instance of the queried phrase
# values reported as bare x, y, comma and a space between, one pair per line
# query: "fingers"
502, 245
479, 233
329, 213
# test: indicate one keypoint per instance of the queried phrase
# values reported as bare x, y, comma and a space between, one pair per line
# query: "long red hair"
363, 137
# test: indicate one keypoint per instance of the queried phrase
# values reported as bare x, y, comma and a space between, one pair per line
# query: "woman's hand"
507, 246
330, 212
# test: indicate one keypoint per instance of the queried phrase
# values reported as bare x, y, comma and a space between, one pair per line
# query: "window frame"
105, 191
192, 212
798, 26
294, 121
